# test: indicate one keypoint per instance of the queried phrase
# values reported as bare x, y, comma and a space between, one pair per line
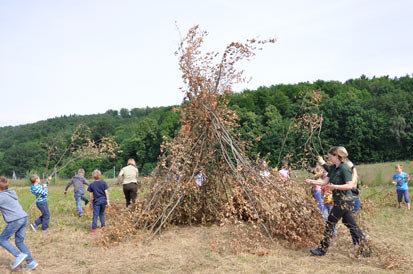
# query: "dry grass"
180, 250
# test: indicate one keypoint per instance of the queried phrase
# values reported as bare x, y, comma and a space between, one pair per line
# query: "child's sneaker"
93, 231
19, 259
33, 227
30, 266
86, 202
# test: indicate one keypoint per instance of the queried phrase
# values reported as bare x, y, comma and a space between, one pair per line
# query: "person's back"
10, 206
78, 181
99, 195
16, 223
98, 189
130, 174
129, 177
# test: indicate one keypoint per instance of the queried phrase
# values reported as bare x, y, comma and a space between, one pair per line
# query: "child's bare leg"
408, 206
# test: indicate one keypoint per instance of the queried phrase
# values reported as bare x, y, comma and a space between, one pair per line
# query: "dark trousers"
45, 217
130, 190
340, 210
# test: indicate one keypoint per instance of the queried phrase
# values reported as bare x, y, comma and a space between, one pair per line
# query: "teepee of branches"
233, 188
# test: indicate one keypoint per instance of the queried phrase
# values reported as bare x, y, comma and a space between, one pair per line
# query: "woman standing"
355, 190
339, 180
130, 181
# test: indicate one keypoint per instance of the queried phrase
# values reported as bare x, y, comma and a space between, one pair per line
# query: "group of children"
17, 219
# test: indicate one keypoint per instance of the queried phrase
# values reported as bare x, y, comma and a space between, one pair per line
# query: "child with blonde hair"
99, 197
400, 179
319, 173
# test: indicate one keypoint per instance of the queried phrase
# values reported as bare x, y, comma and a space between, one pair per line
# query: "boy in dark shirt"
16, 220
99, 196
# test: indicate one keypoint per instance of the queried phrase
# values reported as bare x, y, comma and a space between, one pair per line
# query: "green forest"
372, 118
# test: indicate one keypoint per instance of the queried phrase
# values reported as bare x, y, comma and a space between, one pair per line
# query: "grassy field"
68, 247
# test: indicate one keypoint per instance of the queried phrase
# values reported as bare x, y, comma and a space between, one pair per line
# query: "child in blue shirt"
99, 197
16, 220
40, 191
400, 179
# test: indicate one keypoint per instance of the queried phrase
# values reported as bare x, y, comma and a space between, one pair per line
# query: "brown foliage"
81, 146
234, 191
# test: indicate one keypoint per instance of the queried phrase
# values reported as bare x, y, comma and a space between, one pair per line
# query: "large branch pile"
234, 189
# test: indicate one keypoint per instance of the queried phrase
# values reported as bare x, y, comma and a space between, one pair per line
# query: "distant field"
68, 247
381, 174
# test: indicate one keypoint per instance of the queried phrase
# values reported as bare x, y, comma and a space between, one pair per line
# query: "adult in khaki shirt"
130, 181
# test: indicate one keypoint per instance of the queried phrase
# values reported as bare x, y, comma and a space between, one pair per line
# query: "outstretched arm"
68, 184
318, 182
347, 186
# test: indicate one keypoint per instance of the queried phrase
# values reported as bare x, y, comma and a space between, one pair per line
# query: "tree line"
372, 118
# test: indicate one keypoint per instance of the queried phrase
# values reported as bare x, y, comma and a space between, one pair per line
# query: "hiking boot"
19, 259
318, 252
33, 227
30, 266
86, 202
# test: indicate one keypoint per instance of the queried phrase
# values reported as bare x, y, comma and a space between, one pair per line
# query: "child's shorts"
401, 193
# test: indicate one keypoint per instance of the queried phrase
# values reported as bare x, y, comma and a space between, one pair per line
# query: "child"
327, 195
285, 174
40, 191
99, 197
319, 174
16, 220
264, 172
78, 181
400, 179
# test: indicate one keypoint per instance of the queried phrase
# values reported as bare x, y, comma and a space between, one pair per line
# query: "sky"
88, 56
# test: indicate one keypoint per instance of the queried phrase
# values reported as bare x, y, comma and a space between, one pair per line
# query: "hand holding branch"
317, 182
